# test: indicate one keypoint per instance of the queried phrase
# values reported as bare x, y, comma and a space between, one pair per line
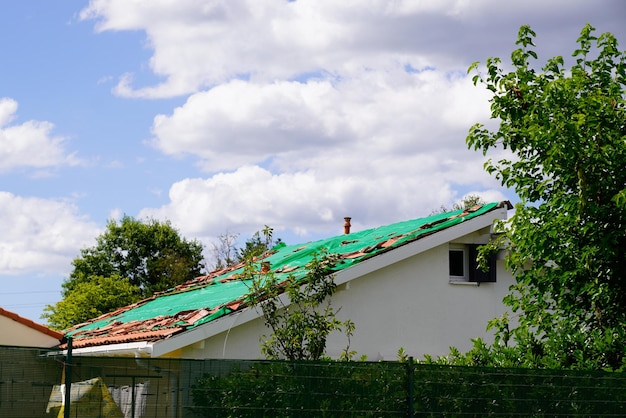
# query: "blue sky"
228, 116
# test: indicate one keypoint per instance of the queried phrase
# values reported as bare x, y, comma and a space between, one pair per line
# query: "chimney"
346, 225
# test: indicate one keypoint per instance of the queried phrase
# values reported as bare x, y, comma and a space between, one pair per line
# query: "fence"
140, 388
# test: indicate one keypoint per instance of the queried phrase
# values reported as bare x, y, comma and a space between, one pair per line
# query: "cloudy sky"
225, 116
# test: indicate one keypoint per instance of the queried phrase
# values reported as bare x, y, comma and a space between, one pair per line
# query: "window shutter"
475, 272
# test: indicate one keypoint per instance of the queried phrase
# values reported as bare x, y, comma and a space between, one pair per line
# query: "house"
21, 332
412, 285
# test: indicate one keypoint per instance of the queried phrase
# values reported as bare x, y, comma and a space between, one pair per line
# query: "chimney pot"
346, 225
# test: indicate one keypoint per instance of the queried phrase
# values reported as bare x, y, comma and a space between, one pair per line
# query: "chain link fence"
31, 379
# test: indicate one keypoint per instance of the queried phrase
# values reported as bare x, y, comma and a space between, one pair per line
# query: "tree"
566, 133
300, 324
150, 254
224, 251
91, 299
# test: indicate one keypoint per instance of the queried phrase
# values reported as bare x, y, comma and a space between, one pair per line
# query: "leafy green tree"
300, 324
566, 134
91, 299
150, 254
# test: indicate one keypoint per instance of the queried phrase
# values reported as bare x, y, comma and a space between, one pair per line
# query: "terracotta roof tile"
124, 338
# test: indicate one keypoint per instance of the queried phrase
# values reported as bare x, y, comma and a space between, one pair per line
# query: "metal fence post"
411, 385
68, 378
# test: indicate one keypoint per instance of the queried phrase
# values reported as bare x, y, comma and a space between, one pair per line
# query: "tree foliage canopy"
150, 255
566, 134
91, 299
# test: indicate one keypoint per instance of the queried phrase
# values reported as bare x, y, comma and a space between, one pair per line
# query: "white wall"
17, 334
241, 342
410, 304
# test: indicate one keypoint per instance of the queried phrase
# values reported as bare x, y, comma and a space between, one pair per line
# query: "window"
457, 263
463, 265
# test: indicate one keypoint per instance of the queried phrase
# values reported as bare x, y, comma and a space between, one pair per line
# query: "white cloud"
380, 147
301, 125
303, 112
30, 144
116, 214
200, 44
300, 203
41, 235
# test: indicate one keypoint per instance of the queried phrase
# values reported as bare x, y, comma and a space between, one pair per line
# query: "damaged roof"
222, 292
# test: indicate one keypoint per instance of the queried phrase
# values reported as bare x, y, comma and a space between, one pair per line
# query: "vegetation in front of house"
248, 388
564, 131
391, 389
297, 310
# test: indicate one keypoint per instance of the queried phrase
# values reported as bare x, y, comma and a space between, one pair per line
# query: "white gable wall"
14, 333
240, 342
409, 304
412, 305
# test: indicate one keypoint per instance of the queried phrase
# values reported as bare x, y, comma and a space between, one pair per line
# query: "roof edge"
132, 349
32, 324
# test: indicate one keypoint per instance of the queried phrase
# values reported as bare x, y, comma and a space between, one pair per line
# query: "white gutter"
124, 350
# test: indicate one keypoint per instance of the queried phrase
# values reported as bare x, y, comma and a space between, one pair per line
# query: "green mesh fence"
30, 379
26, 380
466, 391
303, 389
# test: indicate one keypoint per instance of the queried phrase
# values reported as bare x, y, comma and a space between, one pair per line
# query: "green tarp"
226, 288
